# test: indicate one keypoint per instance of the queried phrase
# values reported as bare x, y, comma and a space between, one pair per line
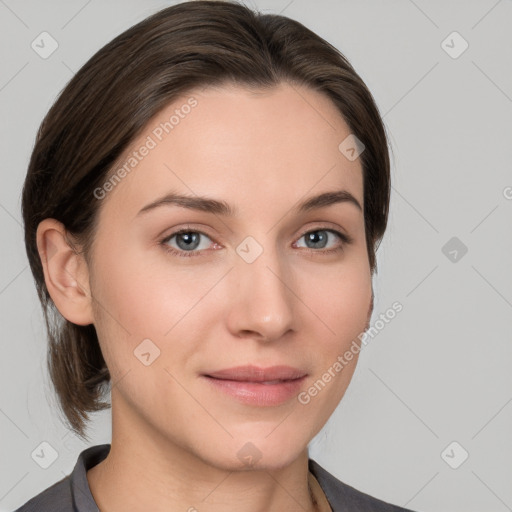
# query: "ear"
65, 272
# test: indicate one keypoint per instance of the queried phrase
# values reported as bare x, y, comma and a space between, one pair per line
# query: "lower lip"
255, 393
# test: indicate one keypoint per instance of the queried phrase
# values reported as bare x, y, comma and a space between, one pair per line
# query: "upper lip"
252, 373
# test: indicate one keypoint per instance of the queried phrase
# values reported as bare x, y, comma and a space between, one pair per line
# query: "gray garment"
72, 493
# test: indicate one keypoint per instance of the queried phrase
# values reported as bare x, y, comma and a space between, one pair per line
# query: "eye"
317, 239
187, 240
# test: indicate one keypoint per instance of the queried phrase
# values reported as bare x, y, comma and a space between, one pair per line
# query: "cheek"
142, 298
143, 292
350, 305
341, 302
340, 298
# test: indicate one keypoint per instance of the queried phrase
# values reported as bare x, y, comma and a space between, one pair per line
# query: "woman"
202, 209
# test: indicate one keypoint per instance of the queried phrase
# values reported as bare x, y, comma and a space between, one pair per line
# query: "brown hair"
113, 96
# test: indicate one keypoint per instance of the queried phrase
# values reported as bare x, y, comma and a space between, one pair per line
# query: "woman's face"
270, 284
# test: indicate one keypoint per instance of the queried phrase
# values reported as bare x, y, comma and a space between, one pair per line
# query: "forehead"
247, 146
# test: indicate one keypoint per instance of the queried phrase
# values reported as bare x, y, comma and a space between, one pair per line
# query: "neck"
145, 471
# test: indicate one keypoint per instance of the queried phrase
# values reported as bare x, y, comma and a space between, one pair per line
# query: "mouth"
255, 386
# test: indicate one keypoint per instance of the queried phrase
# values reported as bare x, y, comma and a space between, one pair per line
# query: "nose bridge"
264, 301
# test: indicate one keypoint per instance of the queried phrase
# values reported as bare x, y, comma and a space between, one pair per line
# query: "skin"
261, 151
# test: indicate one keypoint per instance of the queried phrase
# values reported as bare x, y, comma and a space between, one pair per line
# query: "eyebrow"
218, 207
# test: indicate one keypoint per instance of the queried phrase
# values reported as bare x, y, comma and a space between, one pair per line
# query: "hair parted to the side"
109, 101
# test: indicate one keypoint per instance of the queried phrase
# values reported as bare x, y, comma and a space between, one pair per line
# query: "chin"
259, 452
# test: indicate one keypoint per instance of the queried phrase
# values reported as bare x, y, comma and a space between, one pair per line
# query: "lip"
251, 373
258, 386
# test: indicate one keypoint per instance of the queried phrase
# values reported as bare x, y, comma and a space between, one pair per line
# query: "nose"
264, 302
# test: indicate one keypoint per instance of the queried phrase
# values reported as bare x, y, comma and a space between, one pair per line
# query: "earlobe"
65, 272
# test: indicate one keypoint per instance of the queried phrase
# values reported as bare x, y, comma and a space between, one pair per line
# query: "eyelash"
346, 240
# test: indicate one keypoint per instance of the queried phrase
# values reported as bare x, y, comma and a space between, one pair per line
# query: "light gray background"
440, 371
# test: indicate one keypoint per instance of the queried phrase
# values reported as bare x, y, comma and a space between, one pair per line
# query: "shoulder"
343, 497
56, 498
71, 493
